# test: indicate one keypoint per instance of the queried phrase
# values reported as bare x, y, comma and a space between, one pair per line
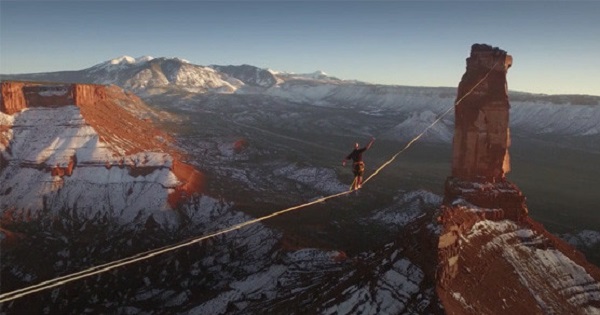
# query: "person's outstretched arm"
344, 160
370, 143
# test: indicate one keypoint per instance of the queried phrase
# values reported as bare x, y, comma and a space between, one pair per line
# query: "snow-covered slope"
43, 138
267, 145
494, 258
555, 119
250, 75
153, 75
531, 114
247, 271
421, 106
82, 151
545, 280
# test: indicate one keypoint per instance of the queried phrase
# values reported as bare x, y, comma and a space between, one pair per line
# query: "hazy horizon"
392, 43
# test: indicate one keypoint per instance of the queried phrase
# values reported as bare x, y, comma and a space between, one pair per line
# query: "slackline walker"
95, 270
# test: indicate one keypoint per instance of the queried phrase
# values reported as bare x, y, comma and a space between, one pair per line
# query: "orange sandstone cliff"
55, 138
492, 257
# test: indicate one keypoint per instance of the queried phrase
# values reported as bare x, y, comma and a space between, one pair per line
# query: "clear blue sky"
555, 45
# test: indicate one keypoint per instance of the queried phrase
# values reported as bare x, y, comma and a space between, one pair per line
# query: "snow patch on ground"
417, 122
547, 118
58, 92
406, 208
457, 296
322, 179
585, 238
42, 138
390, 295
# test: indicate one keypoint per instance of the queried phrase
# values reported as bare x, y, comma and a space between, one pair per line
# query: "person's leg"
361, 170
356, 171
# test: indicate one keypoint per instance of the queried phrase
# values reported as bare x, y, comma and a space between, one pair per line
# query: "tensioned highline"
52, 283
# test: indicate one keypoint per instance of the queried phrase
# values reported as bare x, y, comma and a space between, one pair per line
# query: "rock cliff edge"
492, 257
86, 148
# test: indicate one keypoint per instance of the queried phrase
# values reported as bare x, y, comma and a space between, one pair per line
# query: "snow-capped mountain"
120, 63
266, 140
250, 75
156, 78
152, 75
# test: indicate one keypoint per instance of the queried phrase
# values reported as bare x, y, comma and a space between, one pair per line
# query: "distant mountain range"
99, 181
150, 75
147, 74
167, 80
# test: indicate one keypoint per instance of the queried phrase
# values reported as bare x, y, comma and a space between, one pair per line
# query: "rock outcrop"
85, 147
481, 134
13, 98
492, 257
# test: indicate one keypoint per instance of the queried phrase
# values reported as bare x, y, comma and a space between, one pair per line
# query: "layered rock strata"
492, 257
481, 134
84, 147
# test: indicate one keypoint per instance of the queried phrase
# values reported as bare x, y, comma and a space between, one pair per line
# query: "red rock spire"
481, 134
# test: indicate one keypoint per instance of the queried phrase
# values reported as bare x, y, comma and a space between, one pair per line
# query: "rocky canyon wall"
19, 95
13, 99
89, 141
492, 257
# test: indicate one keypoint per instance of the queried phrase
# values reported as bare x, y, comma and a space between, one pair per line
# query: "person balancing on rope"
358, 166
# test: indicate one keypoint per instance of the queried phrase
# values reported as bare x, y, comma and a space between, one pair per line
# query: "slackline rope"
52, 283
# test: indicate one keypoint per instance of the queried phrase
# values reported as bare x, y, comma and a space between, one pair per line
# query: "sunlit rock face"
85, 147
492, 257
481, 134
13, 98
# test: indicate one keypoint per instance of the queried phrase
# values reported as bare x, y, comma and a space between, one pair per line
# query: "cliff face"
481, 134
85, 147
492, 257
13, 98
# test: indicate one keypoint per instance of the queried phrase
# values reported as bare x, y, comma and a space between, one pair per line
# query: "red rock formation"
88, 95
480, 157
503, 195
13, 98
66, 170
193, 183
481, 134
491, 255
112, 114
19, 95
240, 145
101, 108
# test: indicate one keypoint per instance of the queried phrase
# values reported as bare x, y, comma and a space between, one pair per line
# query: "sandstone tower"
481, 134
492, 257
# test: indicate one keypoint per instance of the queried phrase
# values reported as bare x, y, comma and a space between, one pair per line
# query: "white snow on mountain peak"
181, 60
143, 59
316, 75
122, 60
121, 63
129, 60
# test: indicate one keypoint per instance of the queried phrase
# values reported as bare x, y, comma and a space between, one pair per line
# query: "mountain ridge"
309, 264
123, 62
